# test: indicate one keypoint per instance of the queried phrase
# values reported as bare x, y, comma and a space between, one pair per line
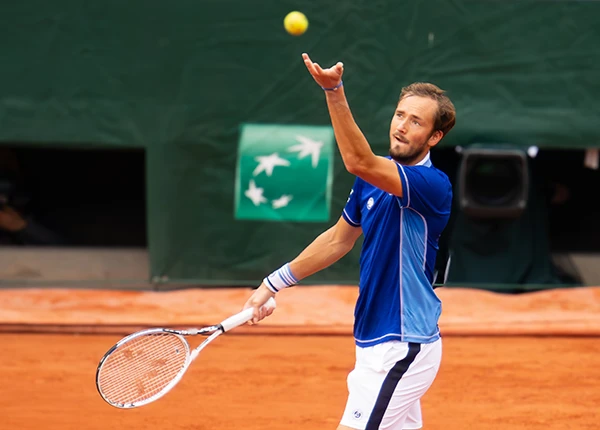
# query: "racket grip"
244, 316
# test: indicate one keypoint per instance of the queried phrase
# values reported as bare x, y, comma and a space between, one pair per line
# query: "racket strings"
142, 367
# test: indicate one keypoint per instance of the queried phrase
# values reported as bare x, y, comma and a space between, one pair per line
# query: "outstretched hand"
326, 78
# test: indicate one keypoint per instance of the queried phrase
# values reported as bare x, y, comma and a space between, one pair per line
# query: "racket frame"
213, 332
190, 355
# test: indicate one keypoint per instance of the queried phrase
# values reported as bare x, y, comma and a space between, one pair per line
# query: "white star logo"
306, 147
255, 194
266, 163
282, 201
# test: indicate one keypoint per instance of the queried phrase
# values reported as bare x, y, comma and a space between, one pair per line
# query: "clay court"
521, 362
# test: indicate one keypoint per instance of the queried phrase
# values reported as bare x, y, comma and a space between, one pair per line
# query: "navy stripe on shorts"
389, 386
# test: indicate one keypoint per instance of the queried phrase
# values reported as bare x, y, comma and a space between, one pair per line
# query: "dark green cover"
180, 78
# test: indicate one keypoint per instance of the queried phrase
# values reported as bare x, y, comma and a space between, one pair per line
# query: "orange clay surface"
271, 381
302, 310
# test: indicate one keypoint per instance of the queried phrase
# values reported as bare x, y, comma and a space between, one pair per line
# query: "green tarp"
180, 78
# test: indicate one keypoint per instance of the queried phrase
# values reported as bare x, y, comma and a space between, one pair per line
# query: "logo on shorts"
357, 414
370, 203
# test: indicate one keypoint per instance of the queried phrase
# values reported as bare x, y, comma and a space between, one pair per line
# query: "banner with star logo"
284, 173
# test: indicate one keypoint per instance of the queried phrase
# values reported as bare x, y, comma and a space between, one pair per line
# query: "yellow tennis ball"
295, 23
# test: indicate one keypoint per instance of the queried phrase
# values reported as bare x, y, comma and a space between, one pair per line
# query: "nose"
402, 126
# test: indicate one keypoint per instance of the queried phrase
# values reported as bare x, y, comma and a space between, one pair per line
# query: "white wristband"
280, 279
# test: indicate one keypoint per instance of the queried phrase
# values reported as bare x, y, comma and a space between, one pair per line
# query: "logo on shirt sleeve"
370, 203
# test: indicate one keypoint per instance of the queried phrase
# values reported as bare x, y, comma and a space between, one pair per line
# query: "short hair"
446, 113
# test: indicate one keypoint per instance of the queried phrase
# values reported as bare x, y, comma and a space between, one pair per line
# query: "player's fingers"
319, 70
258, 314
269, 312
307, 61
312, 69
309, 64
255, 315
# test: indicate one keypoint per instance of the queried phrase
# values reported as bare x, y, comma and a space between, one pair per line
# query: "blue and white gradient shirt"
396, 298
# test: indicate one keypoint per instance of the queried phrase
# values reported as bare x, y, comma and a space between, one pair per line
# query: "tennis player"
401, 203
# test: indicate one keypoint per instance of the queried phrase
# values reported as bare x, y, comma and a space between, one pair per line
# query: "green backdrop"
179, 78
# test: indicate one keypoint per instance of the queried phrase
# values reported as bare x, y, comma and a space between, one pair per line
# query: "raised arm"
355, 150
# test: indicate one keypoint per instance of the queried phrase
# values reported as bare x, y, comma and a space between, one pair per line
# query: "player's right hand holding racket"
256, 301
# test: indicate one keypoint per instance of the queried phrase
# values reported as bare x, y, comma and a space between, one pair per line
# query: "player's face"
411, 130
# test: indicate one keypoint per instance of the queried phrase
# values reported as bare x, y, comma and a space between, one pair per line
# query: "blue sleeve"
351, 212
425, 189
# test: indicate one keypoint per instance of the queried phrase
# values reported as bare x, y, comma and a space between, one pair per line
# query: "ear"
435, 138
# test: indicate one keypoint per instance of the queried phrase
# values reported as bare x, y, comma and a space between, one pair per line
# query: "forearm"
320, 254
325, 250
353, 145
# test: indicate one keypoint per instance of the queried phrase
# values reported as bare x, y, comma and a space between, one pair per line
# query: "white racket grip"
244, 316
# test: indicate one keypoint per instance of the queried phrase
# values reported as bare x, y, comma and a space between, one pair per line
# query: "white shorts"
387, 384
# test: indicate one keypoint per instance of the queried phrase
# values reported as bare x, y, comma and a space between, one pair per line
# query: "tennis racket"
146, 365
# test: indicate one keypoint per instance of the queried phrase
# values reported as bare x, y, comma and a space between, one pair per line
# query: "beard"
408, 154
407, 157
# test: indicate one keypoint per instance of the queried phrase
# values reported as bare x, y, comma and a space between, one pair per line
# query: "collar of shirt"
426, 161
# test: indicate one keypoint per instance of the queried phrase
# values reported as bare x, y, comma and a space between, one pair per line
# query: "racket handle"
244, 316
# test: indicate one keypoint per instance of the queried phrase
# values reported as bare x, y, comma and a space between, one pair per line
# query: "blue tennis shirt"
396, 298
